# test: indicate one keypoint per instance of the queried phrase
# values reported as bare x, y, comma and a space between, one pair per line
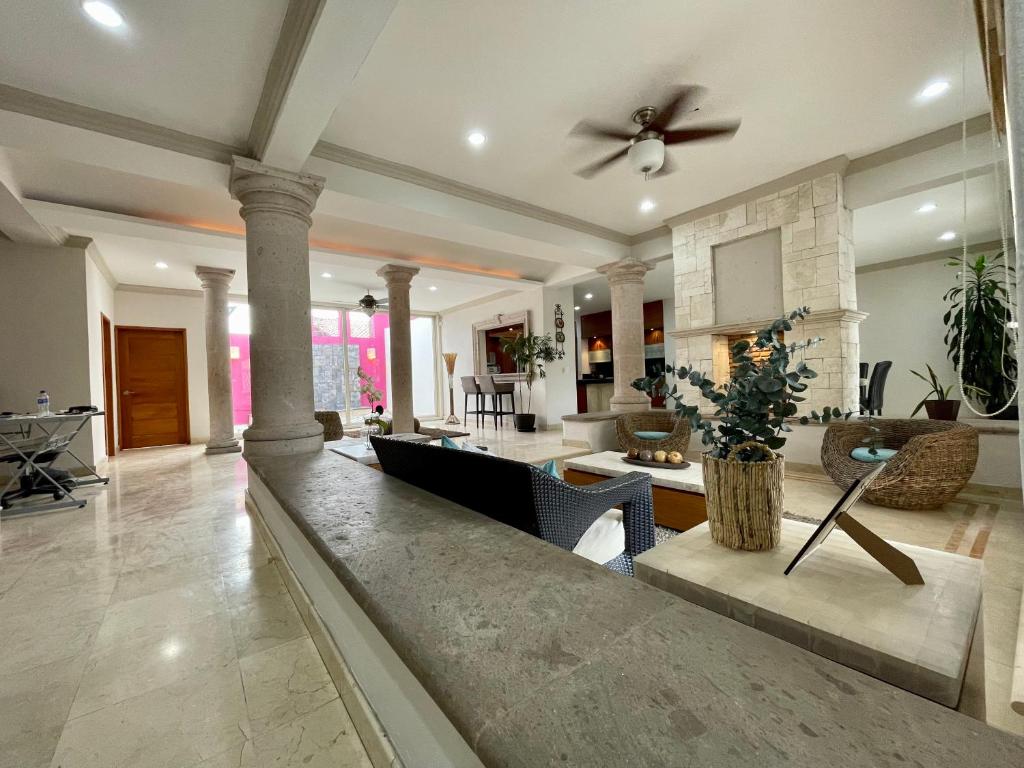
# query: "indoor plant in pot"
978, 320
940, 407
743, 476
529, 353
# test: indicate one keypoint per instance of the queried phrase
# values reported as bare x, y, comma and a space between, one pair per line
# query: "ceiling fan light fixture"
647, 156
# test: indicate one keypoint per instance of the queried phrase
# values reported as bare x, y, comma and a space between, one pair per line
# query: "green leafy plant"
758, 401
529, 353
979, 315
939, 391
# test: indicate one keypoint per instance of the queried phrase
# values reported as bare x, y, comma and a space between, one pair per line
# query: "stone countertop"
539, 657
610, 463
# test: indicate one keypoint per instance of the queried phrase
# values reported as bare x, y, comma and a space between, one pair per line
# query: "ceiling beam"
16, 223
323, 44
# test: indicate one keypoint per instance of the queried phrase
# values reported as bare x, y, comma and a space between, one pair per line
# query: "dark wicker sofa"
523, 496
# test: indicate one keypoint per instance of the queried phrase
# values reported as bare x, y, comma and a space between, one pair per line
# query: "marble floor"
152, 629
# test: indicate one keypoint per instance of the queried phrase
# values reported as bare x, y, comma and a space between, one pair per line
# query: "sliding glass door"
350, 359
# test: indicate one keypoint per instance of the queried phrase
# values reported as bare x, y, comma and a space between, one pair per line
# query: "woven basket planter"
744, 501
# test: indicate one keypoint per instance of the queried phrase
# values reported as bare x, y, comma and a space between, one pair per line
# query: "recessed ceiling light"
588, 296
934, 90
947, 236
576, 308
927, 208
161, 265
433, 288
647, 205
326, 275
476, 138
102, 13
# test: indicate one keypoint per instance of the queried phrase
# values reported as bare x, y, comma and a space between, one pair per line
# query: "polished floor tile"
152, 629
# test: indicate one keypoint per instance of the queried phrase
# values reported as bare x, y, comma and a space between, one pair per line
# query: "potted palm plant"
529, 353
977, 322
743, 474
941, 407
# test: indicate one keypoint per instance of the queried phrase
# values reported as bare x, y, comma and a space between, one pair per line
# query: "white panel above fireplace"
747, 278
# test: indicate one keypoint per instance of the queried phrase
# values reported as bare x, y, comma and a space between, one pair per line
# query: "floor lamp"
449, 362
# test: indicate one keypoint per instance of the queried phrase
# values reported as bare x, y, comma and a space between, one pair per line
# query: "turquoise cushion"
447, 442
551, 468
864, 454
650, 435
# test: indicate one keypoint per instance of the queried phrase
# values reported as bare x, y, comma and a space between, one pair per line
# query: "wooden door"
152, 386
108, 382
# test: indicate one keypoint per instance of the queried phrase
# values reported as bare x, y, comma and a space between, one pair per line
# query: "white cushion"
605, 538
468, 446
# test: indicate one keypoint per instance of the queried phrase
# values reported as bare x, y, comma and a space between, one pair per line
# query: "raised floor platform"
538, 657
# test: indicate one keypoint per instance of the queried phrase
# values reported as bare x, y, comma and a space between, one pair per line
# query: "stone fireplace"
815, 246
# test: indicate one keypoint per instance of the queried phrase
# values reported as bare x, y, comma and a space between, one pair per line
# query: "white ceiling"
659, 284
894, 230
132, 261
192, 65
810, 80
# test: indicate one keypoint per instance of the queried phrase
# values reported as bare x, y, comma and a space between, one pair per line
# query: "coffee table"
838, 603
678, 493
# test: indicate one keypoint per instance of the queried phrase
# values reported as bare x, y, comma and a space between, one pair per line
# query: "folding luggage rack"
34, 443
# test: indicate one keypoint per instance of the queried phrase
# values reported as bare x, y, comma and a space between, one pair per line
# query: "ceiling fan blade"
588, 171
586, 128
682, 101
700, 133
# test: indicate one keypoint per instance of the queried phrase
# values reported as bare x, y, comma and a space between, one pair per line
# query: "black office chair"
876, 389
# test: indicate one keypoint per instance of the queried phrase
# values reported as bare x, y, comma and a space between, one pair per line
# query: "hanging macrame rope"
1009, 318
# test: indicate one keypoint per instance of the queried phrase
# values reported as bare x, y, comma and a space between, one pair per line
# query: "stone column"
215, 283
276, 206
398, 279
626, 279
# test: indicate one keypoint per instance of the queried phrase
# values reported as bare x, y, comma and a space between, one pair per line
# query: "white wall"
904, 324
457, 336
560, 382
44, 338
158, 310
99, 299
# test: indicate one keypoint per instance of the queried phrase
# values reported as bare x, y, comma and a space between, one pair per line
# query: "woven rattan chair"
933, 463
332, 424
652, 421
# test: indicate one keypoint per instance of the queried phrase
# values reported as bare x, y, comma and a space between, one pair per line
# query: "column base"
630, 402
222, 446
284, 440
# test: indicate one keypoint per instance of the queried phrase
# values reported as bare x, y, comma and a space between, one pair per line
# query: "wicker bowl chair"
933, 463
628, 424
331, 420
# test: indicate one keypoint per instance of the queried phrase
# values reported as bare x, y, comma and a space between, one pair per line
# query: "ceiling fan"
369, 305
645, 149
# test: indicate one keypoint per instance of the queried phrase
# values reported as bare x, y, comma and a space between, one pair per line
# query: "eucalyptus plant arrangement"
759, 399
977, 318
529, 353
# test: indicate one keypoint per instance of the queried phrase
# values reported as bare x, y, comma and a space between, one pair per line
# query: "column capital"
625, 271
211, 276
397, 275
262, 188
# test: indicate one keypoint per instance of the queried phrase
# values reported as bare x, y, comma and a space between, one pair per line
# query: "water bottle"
43, 403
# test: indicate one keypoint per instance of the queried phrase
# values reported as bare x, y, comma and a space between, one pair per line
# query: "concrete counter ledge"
538, 657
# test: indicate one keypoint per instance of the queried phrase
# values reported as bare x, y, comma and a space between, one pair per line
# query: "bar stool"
470, 387
496, 392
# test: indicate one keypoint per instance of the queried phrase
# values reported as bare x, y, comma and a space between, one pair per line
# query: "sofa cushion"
604, 540
551, 468
650, 435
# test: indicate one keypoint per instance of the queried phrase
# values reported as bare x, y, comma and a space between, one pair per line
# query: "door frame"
106, 328
121, 431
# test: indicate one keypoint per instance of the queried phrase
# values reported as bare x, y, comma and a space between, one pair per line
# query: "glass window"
238, 339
